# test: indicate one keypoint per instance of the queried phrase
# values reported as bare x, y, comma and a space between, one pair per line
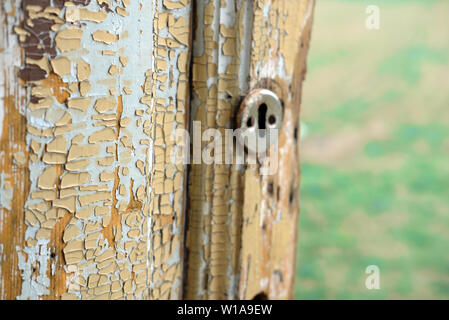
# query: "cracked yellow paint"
92, 206
170, 100
278, 62
241, 239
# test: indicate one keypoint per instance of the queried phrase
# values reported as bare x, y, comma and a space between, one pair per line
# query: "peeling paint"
168, 84
91, 170
215, 190
91, 206
281, 35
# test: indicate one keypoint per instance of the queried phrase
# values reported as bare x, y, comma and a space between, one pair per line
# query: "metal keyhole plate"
260, 118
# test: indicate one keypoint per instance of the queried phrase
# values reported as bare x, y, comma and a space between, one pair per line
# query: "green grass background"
375, 152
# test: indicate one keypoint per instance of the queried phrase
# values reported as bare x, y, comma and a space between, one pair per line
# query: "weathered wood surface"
96, 209
241, 235
91, 205
14, 173
270, 214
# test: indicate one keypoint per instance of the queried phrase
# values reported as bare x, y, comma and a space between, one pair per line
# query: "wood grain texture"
219, 79
170, 112
90, 209
14, 176
92, 205
281, 35
241, 233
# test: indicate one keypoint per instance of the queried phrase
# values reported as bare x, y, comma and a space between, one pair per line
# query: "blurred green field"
375, 155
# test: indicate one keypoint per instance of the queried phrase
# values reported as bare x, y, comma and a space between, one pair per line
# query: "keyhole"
260, 110
262, 118
250, 122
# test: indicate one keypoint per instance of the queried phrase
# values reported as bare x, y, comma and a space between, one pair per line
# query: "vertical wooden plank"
281, 36
241, 231
169, 112
106, 84
14, 181
219, 79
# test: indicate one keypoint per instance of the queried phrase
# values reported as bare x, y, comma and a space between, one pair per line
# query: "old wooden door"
92, 205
